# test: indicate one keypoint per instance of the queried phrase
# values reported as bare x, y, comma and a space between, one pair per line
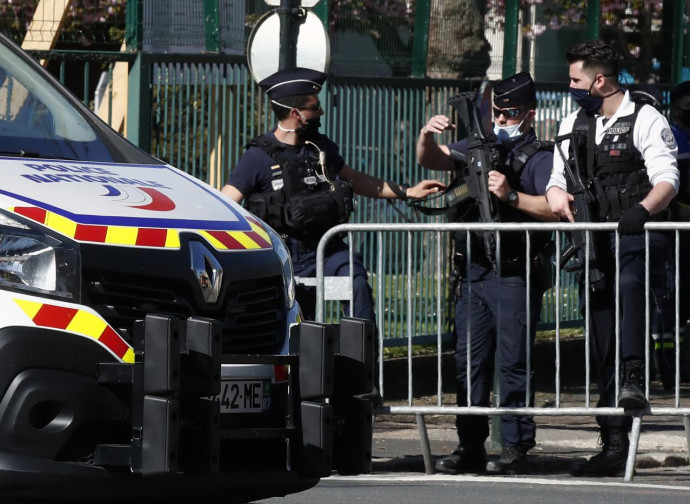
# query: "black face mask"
310, 130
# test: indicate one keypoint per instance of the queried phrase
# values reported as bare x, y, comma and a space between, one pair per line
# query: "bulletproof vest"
616, 173
307, 200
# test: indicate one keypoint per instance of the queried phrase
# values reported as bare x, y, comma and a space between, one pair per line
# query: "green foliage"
88, 22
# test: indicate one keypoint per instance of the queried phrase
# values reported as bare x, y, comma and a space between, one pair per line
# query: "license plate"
245, 396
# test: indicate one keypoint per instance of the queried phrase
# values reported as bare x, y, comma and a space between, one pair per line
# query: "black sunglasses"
510, 113
314, 106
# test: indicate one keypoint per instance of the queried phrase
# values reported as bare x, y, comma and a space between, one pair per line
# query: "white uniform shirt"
652, 136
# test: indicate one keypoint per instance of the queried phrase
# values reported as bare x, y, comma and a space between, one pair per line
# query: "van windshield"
38, 120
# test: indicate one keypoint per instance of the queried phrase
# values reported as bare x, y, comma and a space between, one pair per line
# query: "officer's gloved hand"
632, 221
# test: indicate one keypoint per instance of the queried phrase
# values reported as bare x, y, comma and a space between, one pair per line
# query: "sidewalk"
662, 453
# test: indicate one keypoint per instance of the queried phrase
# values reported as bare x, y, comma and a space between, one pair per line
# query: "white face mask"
508, 133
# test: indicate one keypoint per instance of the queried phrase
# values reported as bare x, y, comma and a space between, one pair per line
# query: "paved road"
441, 489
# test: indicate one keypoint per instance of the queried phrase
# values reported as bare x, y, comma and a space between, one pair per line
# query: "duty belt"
514, 266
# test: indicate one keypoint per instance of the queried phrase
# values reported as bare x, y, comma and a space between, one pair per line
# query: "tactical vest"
616, 174
307, 200
513, 243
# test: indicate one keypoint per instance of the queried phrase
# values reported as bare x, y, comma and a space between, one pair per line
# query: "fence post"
211, 26
139, 103
672, 33
134, 31
593, 19
510, 38
420, 38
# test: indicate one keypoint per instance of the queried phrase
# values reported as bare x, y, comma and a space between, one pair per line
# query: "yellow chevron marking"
261, 232
172, 239
213, 241
244, 240
87, 324
29, 307
61, 224
129, 356
121, 235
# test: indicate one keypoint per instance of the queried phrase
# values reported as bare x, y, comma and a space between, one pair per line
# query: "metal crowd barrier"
673, 228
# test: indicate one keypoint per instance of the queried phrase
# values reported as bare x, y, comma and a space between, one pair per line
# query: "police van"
150, 341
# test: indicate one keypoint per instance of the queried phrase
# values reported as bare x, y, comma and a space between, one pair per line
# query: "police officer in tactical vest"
680, 125
294, 178
493, 306
627, 159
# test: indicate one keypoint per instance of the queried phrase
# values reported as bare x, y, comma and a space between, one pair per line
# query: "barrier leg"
634, 443
686, 424
426, 448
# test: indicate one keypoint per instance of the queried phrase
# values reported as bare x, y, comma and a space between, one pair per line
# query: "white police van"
150, 342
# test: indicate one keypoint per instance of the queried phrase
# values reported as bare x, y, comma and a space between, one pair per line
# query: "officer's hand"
632, 221
559, 201
425, 188
438, 124
498, 185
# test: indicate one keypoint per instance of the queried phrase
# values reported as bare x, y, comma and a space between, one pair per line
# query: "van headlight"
31, 260
285, 260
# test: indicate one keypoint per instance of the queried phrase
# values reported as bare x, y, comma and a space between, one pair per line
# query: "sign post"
289, 36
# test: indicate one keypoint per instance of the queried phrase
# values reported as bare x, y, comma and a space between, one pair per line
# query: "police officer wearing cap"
488, 303
630, 165
294, 178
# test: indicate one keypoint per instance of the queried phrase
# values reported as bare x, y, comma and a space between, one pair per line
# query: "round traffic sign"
263, 48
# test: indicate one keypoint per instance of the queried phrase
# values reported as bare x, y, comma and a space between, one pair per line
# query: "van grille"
252, 315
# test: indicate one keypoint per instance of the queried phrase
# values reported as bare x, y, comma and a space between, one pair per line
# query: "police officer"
680, 209
294, 178
495, 307
629, 161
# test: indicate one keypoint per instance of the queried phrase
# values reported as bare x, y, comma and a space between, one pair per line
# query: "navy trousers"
632, 309
336, 263
494, 311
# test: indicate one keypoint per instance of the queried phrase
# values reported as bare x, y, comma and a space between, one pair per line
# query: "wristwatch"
512, 197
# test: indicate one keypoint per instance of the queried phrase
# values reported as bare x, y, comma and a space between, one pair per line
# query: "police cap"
515, 91
293, 82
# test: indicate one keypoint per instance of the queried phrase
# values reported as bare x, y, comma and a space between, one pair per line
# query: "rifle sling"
591, 152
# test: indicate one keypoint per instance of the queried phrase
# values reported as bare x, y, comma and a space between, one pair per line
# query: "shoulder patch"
668, 138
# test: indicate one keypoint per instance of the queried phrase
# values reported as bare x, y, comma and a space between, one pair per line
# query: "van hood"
125, 205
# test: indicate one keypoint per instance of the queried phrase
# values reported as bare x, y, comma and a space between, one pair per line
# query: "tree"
93, 24
457, 45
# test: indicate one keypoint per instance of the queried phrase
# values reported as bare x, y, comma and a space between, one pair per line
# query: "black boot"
611, 460
465, 459
632, 385
513, 460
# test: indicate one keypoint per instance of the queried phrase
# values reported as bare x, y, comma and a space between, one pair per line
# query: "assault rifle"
583, 200
474, 111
